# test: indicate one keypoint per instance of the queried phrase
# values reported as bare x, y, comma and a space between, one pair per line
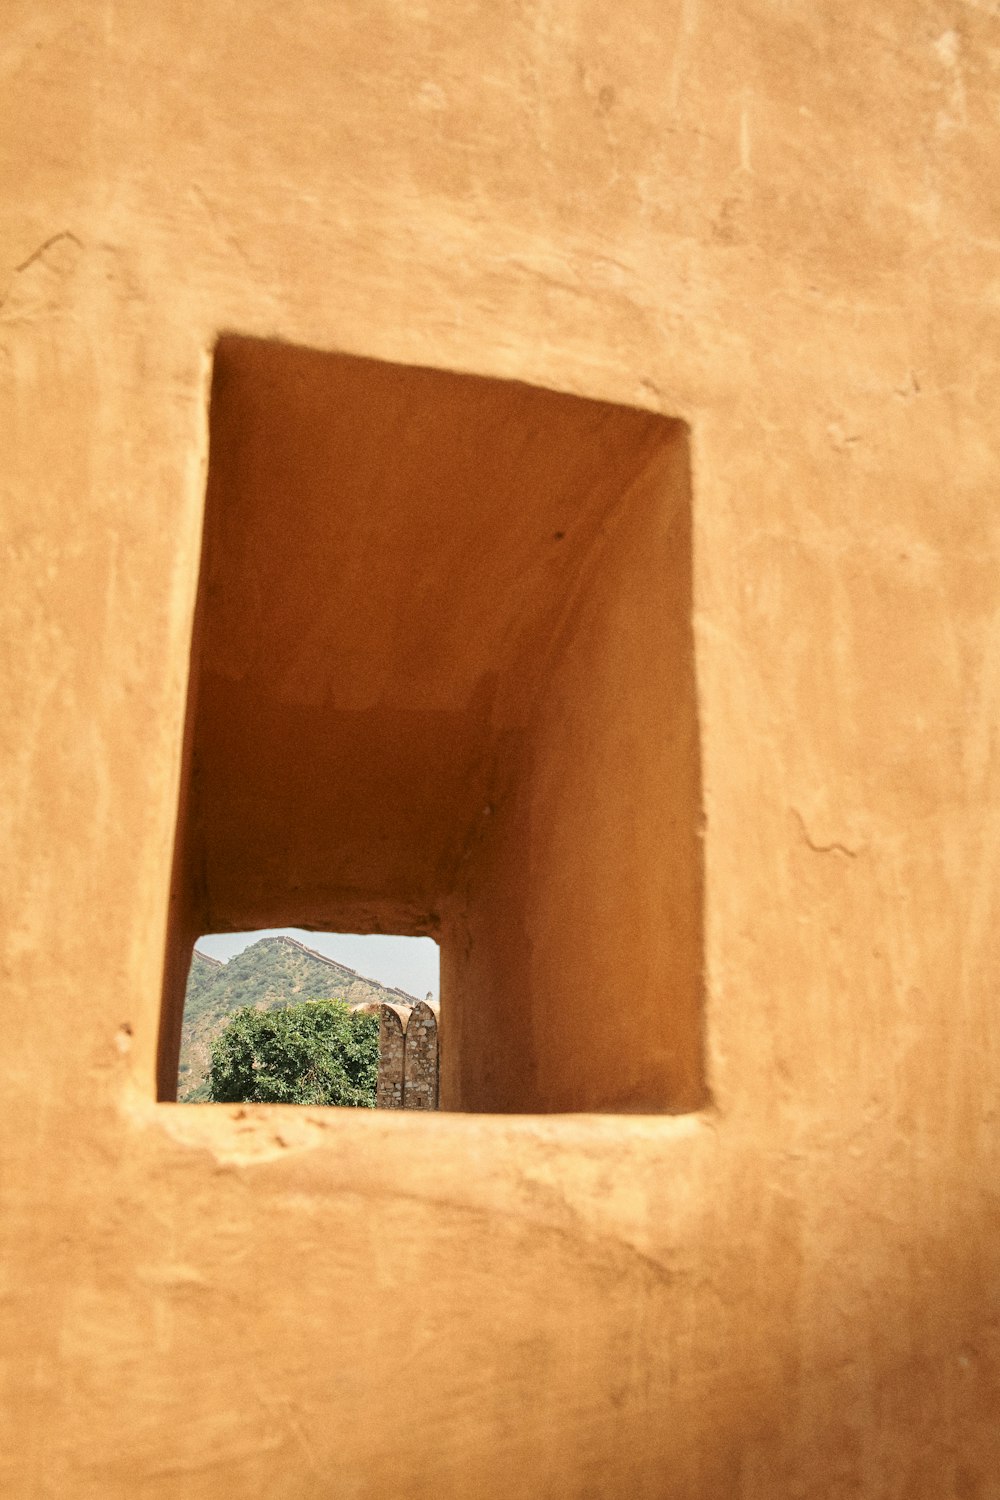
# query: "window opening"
443, 683
275, 1016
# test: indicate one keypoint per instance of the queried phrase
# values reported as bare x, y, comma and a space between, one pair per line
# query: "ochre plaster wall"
777, 224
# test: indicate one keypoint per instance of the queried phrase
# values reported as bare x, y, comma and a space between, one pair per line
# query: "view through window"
282, 1015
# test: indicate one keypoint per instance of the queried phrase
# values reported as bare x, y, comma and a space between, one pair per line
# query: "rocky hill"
271, 973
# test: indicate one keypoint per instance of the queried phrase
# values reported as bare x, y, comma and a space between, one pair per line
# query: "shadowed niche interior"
442, 682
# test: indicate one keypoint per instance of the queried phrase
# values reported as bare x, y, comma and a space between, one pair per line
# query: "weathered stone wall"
391, 1056
420, 1088
408, 1056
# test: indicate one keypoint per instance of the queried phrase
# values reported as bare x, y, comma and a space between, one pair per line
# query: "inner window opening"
288, 1016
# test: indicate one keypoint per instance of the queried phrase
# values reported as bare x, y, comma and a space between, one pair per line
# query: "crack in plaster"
834, 847
36, 258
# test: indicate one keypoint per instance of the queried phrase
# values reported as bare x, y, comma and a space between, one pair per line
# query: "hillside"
271, 973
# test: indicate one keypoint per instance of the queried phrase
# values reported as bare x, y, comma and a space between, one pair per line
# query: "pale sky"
409, 963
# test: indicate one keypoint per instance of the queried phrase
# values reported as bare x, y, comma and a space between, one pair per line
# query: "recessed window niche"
442, 682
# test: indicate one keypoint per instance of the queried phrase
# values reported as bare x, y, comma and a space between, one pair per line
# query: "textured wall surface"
777, 224
391, 1056
408, 1056
421, 1060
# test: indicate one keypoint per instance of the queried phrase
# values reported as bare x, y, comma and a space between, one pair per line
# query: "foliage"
321, 1052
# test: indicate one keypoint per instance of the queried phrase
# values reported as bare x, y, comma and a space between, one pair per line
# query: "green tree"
321, 1052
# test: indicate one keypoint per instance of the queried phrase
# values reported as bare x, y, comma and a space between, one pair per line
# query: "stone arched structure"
420, 1057
391, 1049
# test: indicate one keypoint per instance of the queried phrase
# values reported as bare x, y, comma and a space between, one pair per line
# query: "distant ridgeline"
271, 973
